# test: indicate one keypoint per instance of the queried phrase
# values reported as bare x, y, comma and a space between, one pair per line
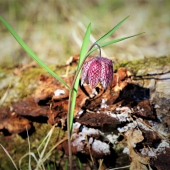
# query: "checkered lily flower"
96, 70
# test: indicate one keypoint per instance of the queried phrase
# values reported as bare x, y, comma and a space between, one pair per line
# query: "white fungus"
90, 140
134, 145
94, 92
126, 128
82, 136
153, 152
123, 117
109, 113
100, 147
156, 106
104, 106
78, 142
59, 92
126, 150
103, 101
163, 144
123, 129
141, 125
112, 138
159, 127
90, 131
76, 126
79, 113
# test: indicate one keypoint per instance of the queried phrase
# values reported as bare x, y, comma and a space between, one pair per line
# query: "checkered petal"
107, 61
85, 70
97, 70
94, 73
111, 74
106, 73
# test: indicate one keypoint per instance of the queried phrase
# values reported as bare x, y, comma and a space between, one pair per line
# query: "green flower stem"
69, 127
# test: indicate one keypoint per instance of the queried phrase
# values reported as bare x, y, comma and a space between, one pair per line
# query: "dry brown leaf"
12, 122
139, 161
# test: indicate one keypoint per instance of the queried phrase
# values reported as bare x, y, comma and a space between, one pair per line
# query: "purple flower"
96, 70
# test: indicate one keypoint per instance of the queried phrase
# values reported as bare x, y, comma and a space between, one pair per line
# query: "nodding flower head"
96, 70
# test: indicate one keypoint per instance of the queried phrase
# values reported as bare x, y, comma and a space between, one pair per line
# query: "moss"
122, 158
17, 146
137, 65
24, 84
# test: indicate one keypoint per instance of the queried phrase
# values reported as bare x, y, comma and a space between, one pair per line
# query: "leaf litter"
124, 107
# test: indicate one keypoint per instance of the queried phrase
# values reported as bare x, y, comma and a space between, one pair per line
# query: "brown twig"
100, 164
89, 149
150, 128
135, 123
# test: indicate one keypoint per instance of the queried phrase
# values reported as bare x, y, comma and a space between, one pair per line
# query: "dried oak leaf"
138, 161
121, 78
51, 89
47, 89
12, 122
135, 164
57, 111
123, 73
28, 107
73, 60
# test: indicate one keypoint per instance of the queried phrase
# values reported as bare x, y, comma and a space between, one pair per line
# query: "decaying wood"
125, 107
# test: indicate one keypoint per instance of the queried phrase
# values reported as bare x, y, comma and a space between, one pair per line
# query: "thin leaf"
29, 167
112, 42
9, 156
28, 50
66, 165
110, 32
55, 166
32, 154
79, 164
48, 166
82, 55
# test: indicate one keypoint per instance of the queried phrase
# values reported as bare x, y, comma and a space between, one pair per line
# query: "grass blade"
110, 32
82, 55
9, 157
48, 166
112, 42
28, 50
55, 166
29, 167
65, 168
32, 154
121, 39
79, 164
